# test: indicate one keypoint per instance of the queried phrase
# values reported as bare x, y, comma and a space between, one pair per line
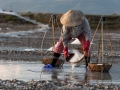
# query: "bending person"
75, 25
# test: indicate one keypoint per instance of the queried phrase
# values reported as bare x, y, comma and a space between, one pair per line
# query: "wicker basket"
59, 62
98, 67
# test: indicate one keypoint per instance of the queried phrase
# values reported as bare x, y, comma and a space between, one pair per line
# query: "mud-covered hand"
87, 45
66, 54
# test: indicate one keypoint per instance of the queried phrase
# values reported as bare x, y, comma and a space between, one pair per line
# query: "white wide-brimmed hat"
72, 18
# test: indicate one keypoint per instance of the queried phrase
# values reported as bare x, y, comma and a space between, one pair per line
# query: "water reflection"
59, 75
26, 70
56, 75
99, 76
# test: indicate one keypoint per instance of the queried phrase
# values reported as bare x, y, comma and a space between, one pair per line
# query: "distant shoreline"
112, 21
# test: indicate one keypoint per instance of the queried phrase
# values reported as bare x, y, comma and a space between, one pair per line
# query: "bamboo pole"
102, 37
53, 29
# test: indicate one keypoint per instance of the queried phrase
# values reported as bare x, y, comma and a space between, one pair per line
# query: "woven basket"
98, 67
59, 62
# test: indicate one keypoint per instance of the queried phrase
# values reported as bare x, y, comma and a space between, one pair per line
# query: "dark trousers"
87, 60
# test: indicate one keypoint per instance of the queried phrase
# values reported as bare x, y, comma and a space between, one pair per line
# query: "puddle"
26, 70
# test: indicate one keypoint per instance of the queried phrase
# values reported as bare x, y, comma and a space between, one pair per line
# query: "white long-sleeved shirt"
74, 32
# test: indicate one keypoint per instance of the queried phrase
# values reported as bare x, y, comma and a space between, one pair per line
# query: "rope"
99, 49
100, 40
53, 29
94, 35
59, 30
53, 37
42, 42
109, 38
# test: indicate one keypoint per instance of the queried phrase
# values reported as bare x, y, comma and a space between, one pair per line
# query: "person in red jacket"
75, 25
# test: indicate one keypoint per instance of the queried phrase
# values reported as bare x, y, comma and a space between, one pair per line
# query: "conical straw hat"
72, 18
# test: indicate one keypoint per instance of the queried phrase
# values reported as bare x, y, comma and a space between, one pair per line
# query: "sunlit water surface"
26, 70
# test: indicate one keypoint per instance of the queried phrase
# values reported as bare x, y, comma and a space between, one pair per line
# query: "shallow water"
26, 70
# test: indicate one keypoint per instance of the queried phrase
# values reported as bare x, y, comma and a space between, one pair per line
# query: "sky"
101, 7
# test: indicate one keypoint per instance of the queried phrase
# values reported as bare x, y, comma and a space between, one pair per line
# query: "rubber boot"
55, 58
87, 60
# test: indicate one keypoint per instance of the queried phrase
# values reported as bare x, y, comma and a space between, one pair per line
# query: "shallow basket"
59, 62
99, 67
